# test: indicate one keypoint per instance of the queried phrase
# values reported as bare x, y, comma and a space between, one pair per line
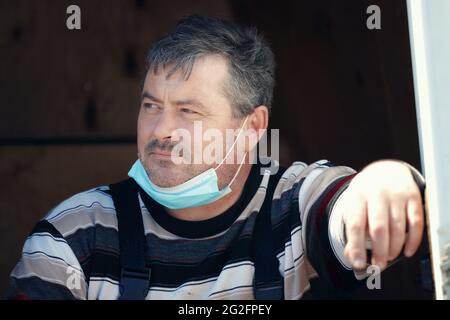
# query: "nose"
165, 126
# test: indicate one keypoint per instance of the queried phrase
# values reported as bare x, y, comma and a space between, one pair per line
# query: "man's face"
177, 103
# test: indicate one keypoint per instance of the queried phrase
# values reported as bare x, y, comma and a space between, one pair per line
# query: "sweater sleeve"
48, 268
315, 246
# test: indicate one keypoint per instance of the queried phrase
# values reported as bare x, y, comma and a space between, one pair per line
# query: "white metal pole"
429, 27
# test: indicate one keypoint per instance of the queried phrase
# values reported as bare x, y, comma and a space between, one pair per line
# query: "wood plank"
60, 82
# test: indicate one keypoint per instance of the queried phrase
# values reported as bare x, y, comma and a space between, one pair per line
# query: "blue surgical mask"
197, 191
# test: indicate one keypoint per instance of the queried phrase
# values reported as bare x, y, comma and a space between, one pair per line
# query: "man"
222, 229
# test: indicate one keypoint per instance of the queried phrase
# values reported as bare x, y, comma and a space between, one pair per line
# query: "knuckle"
402, 193
397, 229
354, 227
381, 195
416, 222
397, 224
352, 249
379, 230
413, 194
416, 208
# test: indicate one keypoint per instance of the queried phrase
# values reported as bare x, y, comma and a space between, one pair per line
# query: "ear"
259, 120
257, 123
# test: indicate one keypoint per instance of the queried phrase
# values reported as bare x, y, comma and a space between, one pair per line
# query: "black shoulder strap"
268, 283
135, 276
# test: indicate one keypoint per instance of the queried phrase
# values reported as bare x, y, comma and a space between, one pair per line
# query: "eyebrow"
193, 102
147, 95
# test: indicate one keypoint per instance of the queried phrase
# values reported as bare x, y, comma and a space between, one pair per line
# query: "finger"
415, 226
397, 225
355, 227
378, 219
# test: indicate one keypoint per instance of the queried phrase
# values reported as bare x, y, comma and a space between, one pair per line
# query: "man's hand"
382, 202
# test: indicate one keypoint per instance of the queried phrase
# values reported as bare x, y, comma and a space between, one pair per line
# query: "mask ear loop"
232, 146
237, 172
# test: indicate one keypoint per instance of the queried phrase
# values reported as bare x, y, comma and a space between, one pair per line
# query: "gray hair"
250, 59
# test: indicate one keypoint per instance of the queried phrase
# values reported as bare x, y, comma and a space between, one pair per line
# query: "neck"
214, 209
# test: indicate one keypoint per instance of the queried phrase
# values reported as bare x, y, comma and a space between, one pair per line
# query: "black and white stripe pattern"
203, 260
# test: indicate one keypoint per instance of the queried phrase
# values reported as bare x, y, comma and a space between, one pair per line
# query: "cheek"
144, 132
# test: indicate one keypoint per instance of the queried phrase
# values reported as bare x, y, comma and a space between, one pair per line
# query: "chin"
163, 182
165, 176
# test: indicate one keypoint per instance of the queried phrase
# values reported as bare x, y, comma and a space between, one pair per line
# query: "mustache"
156, 145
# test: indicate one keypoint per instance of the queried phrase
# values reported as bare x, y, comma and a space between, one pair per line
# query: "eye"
150, 106
188, 111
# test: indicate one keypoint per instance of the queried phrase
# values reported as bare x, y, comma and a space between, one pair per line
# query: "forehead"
206, 81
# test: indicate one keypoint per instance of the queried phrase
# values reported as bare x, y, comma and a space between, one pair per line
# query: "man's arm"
326, 197
48, 268
383, 203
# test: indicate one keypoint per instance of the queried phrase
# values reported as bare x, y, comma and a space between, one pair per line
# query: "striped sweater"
73, 252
